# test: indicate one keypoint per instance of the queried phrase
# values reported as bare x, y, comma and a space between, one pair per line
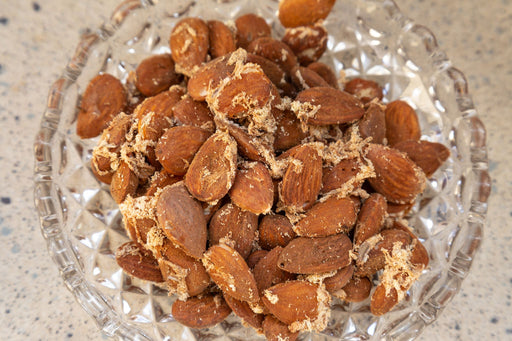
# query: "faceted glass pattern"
83, 227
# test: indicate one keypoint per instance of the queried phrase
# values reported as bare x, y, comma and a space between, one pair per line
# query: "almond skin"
288, 132
194, 113
276, 51
401, 123
201, 312
325, 72
156, 74
182, 219
293, 13
138, 262
212, 171
324, 254
307, 42
373, 123
255, 257
163, 103
304, 78
252, 189
357, 289
327, 218
230, 272
247, 145
383, 302
275, 230
250, 27
222, 39
276, 330
124, 183
339, 280
244, 311
267, 273
335, 177
364, 89
332, 106
429, 156
371, 218
397, 177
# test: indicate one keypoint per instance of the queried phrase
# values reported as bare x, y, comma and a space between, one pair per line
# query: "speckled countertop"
37, 39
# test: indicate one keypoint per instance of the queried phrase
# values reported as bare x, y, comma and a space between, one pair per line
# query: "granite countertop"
38, 38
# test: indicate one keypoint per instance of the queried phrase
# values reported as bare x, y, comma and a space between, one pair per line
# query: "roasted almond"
138, 262
276, 330
401, 123
250, 27
271, 70
248, 146
304, 78
371, 218
327, 218
244, 311
357, 289
124, 183
335, 177
288, 131
193, 113
189, 43
177, 147
160, 180
293, 13
324, 254
383, 300
276, 51
222, 39
212, 171
336, 282
228, 269
163, 103
267, 273
299, 304
103, 99
156, 74
308, 43
397, 177
325, 72
201, 312
429, 156
182, 220
373, 123
233, 223
252, 189
326, 105
364, 89
275, 230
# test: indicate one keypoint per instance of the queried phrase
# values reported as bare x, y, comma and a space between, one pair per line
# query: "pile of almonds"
249, 182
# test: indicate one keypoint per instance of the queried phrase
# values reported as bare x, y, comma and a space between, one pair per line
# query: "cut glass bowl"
372, 39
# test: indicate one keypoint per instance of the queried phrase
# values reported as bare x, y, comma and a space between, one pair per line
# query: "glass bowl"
373, 39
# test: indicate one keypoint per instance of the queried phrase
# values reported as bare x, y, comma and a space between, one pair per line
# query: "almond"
304, 78
308, 43
201, 312
429, 156
189, 43
271, 70
336, 282
293, 13
250, 27
138, 262
327, 218
383, 301
371, 218
275, 230
325, 72
209, 76
364, 89
357, 289
252, 189
182, 220
177, 147
230, 272
212, 171
302, 179
276, 51
160, 180
235, 224
194, 113
298, 304
267, 273
124, 183
324, 254
248, 146
156, 74
397, 177
276, 330
419, 255
401, 123
163, 103
336, 176
103, 99
222, 39
288, 131
326, 105
373, 123
244, 311
255, 257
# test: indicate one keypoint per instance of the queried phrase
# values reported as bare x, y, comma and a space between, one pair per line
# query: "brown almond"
244, 311
271, 69
357, 289
288, 131
230, 272
255, 257
324, 254
181, 271
267, 273
248, 146
194, 113
331, 106
156, 74
339, 279
222, 39
163, 103
302, 179
253, 189
177, 147
336, 176
419, 254
103, 99
124, 183
182, 220
250, 27
383, 301
296, 301
429, 156
189, 43
293, 13
308, 43
275, 330
235, 224
364, 89
160, 180
399, 210
325, 72
201, 312
275, 230
371, 218
138, 262
397, 177
212, 171
304, 78
276, 51
327, 218
373, 123
401, 123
